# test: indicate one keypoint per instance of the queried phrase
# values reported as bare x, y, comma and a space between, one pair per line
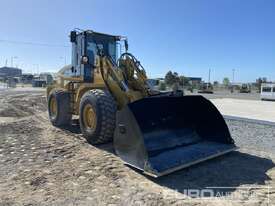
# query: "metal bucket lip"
174, 169
167, 97
155, 174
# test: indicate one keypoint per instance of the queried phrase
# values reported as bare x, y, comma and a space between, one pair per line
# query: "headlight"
84, 60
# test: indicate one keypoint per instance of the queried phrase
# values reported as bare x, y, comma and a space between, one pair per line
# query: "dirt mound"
22, 105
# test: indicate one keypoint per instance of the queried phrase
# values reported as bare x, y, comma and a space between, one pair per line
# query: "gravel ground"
44, 165
253, 136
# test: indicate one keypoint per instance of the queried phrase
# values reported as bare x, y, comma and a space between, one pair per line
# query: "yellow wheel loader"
155, 132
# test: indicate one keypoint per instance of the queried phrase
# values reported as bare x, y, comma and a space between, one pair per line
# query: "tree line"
171, 78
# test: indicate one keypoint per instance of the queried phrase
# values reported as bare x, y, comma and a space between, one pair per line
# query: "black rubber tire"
105, 108
64, 115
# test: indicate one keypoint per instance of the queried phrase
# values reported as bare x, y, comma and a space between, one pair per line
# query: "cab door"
77, 48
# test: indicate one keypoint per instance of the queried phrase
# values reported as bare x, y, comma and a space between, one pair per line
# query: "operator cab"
86, 45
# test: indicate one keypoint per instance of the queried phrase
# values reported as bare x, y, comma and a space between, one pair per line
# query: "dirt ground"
44, 165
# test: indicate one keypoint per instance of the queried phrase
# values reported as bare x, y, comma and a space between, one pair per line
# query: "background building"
194, 81
7, 72
26, 78
48, 77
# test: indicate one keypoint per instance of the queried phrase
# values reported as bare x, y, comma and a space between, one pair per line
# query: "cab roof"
116, 37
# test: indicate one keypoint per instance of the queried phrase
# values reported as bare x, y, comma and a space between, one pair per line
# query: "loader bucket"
159, 135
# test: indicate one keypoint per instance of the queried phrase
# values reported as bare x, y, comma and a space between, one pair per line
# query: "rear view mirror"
73, 36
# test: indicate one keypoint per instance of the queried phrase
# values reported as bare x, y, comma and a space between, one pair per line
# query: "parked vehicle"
268, 91
245, 88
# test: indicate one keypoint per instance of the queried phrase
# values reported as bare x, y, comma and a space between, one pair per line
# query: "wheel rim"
53, 107
89, 117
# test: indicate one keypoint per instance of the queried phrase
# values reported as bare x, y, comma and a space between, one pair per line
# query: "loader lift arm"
126, 81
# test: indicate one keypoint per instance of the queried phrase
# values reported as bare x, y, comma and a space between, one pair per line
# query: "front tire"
97, 116
59, 108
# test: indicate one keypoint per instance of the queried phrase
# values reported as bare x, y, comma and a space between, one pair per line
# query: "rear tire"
97, 116
59, 108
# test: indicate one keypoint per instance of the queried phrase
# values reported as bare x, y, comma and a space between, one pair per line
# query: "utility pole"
182, 84
12, 58
36, 68
233, 80
209, 74
65, 60
233, 76
6, 64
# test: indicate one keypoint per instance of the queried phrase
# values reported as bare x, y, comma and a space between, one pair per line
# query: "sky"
186, 36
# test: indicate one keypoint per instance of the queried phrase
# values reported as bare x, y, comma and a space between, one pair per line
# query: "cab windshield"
105, 43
